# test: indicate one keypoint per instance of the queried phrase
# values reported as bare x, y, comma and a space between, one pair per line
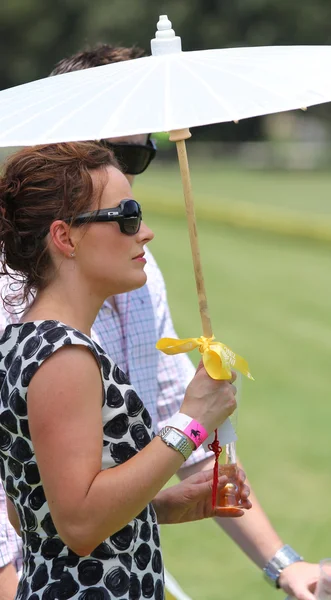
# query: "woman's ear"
60, 233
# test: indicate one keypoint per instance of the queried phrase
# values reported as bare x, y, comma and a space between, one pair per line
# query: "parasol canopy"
166, 91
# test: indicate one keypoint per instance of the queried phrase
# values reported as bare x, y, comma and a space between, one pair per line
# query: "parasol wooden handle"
179, 136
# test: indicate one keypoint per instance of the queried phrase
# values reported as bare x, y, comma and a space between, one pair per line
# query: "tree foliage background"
35, 34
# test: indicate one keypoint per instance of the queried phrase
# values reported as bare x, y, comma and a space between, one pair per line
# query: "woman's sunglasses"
133, 158
127, 214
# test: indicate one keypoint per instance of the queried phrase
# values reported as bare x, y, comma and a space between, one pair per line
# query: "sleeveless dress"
127, 565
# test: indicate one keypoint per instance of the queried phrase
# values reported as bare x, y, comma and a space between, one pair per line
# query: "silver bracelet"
284, 557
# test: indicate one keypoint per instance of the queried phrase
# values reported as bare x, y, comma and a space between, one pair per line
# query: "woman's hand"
208, 400
190, 500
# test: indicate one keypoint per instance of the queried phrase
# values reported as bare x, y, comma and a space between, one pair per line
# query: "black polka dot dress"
126, 566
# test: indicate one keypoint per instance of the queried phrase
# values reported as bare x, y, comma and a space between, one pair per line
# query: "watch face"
174, 437
177, 440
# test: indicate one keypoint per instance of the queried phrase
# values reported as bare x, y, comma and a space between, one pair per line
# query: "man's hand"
190, 500
8, 582
13, 517
299, 580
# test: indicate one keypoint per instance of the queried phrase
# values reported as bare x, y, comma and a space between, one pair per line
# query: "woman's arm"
65, 421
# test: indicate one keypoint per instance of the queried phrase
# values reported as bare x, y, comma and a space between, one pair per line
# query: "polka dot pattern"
125, 566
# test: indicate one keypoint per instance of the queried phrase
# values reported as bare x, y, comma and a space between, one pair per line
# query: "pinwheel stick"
229, 500
179, 136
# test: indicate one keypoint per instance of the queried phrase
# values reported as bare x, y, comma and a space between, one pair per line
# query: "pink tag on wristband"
196, 432
190, 427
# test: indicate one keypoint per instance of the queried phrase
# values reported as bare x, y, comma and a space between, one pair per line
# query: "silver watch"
284, 557
176, 440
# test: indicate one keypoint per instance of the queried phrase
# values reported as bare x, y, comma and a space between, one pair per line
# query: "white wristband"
196, 432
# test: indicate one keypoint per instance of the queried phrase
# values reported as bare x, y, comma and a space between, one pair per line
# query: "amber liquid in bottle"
229, 496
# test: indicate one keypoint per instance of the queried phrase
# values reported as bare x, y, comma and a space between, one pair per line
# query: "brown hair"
39, 185
103, 54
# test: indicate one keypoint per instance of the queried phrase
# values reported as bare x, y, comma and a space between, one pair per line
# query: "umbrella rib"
236, 62
68, 98
167, 94
105, 88
51, 95
40, 113
247, 79
127, 98
209, 88
264, 62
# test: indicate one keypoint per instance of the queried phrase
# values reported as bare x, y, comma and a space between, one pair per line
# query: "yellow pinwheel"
217, 358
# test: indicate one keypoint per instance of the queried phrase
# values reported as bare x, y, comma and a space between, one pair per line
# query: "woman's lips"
140, 257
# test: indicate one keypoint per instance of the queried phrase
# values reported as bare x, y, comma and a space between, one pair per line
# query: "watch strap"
182, 444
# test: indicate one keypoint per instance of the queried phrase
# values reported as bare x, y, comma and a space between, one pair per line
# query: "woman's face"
111, 261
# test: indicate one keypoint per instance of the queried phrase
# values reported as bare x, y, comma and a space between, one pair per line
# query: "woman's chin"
134, 284
140, 281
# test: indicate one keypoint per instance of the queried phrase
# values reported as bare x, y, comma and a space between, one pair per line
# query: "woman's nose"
145, 233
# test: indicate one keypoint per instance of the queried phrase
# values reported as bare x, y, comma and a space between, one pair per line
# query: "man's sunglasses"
127, 214
133, 158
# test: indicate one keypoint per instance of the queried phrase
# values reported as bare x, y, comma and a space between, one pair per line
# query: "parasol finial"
165, 41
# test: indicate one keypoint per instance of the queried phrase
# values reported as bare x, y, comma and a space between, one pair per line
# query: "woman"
72, 231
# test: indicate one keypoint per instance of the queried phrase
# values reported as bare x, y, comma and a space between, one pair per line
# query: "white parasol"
169, 90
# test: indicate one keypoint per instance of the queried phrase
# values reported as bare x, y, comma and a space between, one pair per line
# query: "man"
134, 322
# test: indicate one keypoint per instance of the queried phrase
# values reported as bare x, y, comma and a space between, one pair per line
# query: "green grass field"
269, 299
220, 182
294, 203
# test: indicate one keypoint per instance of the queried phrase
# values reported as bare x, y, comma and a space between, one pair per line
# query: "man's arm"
13, 516
8, 575
8, 582
253, 532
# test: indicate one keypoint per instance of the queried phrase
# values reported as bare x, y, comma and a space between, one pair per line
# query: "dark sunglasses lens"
131, 217
133, 159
